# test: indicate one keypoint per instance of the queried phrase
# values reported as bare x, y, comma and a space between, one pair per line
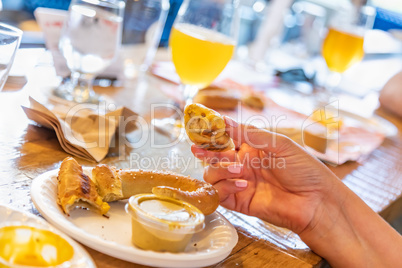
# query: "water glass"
143, 25
304, 27
10, 38
90, 42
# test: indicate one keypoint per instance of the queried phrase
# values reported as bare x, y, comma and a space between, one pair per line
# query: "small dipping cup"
162, 223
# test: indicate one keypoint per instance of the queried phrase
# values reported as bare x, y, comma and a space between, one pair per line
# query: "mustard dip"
29, 246
162, 223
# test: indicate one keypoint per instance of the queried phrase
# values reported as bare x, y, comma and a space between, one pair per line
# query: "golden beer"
342, 49
199, 55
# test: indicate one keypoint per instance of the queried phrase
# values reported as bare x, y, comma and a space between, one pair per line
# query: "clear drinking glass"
343, 44
90, 41
202, 42
144, 21
10, 38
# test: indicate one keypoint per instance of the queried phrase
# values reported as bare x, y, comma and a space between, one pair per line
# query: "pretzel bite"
109, 187
206, 127
75, 187
198, 193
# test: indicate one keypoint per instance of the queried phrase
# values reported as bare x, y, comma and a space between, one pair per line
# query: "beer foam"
204, 33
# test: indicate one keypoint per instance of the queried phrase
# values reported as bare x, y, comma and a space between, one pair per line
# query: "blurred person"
391, 95
299, 193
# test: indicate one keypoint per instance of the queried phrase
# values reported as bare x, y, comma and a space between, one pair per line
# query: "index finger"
213, 157
255, 137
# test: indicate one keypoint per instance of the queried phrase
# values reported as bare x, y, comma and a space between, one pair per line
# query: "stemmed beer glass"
343, 44
202, 42
90, 41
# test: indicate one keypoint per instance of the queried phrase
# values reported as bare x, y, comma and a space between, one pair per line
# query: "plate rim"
140, 256
368, 121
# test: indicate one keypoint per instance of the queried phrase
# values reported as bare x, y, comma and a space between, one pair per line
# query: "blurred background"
274, 36
299, 17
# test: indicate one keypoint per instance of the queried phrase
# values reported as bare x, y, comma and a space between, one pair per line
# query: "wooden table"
27, 151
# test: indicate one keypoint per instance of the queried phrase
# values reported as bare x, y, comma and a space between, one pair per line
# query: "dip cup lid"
165, 213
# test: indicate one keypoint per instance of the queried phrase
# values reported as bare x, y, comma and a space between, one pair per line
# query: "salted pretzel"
109, 184
116, 184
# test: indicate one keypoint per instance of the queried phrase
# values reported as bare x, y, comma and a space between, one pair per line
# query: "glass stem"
73, 81
82, 86
332, 82
189, 92
326, 94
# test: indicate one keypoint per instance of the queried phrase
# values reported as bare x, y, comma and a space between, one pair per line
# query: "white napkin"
82, 130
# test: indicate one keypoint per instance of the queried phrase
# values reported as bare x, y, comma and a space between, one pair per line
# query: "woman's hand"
269, 176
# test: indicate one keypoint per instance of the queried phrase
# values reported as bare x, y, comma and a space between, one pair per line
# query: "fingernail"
241, 183
231, 122
195, 146
235, 169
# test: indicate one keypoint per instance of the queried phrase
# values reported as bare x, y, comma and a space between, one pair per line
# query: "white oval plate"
375, 123
8, 214
112, 236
